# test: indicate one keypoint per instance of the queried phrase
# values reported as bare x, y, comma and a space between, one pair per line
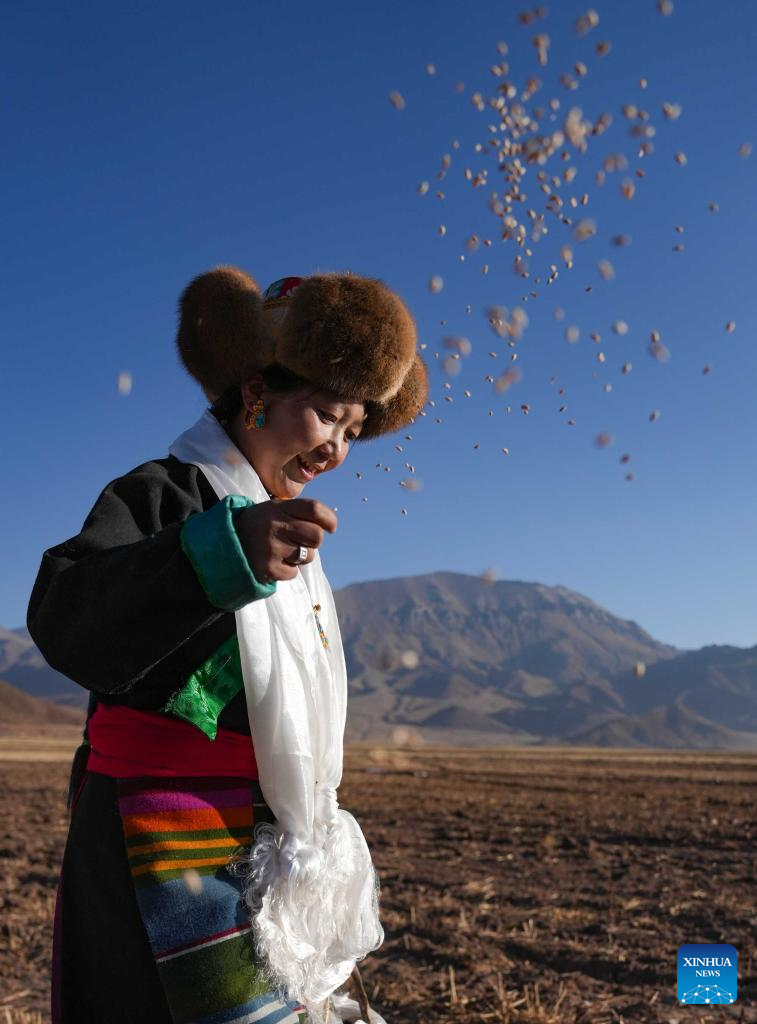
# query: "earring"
254, 418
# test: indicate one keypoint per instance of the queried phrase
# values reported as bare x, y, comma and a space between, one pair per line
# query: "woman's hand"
272, 532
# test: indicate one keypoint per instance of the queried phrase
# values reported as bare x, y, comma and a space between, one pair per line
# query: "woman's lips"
308, 474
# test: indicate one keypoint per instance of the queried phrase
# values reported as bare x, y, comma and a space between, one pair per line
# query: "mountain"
23, 666
668, 725
18, 708
453, 658
704, 698
716, 682
448, 651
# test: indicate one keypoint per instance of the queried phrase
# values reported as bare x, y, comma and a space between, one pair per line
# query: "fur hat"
343, 333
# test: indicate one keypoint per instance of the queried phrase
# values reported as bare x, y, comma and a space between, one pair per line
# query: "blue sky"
146, 143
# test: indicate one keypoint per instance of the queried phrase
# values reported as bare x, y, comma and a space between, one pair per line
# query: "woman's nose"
332, 450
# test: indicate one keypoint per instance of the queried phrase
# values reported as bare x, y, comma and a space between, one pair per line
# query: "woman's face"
305, 434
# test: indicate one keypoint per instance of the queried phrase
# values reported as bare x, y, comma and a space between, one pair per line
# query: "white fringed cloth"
311, 886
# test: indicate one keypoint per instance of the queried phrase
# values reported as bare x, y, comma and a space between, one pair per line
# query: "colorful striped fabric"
180, 836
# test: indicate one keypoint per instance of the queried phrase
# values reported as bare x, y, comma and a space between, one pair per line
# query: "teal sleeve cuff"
209, 540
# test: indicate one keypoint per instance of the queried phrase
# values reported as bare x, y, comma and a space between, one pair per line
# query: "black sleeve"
111, 603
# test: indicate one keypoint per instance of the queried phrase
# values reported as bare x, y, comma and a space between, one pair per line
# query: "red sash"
130, 744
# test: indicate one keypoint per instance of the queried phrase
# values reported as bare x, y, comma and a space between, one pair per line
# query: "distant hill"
461, 659
23, 666
18, 708
671, 725
719, 683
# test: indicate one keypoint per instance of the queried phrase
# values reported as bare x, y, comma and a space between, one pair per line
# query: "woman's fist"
272, 532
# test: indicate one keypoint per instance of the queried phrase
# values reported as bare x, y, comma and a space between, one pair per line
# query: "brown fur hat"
347, 334
350, 334
220, 314
386, 417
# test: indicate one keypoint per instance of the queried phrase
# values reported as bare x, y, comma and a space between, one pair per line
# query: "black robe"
118, 609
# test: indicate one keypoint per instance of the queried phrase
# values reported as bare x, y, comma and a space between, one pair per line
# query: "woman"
209, 875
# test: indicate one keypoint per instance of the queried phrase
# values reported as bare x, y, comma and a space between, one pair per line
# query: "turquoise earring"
254, 418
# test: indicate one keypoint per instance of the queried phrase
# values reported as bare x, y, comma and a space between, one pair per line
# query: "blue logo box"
707, 973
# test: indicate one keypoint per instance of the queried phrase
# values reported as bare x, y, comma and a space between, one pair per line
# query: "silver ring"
302, 554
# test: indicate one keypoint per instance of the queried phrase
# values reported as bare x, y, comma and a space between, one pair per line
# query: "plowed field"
517, 885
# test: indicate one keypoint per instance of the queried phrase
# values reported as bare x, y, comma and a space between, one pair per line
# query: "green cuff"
209, 689
210, 542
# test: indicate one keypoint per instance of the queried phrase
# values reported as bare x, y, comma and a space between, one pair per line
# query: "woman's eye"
331, 418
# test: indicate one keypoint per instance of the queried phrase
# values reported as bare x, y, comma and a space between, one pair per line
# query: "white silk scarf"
311, 886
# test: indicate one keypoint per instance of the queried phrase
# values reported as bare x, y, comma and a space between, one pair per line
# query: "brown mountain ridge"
462, 659
18, 708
